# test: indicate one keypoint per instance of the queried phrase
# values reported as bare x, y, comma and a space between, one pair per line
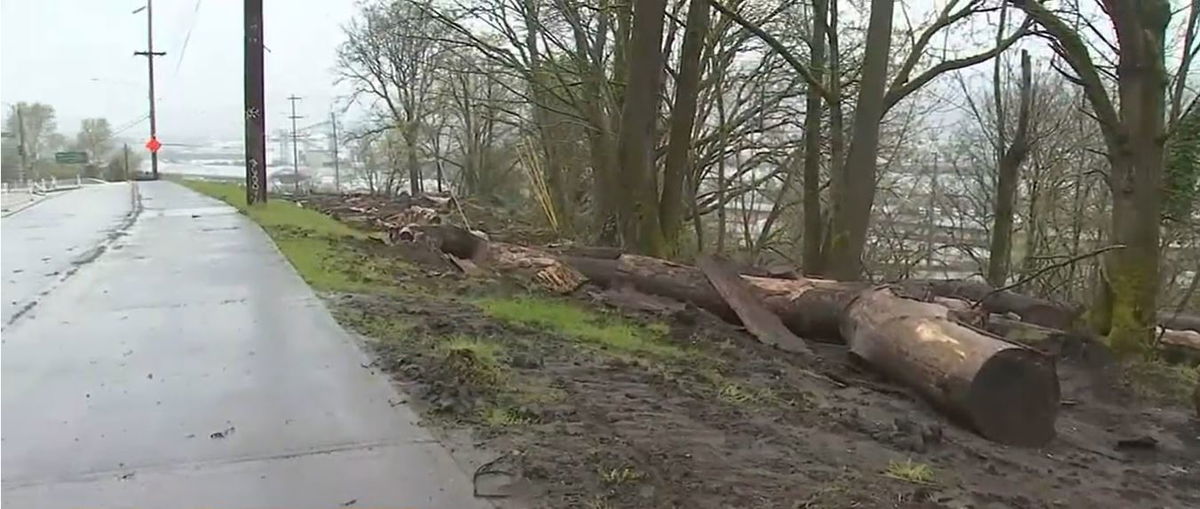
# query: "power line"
188, 37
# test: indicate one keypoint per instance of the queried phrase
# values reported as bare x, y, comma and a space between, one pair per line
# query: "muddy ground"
692, 412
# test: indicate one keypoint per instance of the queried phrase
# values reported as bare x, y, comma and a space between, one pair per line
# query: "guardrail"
46, 185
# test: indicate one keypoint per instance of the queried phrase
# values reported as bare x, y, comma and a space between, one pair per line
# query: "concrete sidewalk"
189, 366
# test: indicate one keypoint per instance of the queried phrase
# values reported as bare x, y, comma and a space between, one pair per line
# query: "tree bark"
812, 145
760, 321
640, 227
1008, 176
853, 198
683, 117
414, 167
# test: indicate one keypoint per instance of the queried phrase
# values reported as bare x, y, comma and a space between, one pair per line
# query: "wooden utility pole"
150, 54
21, 143
255, 104
295, 148
126, 150
337, 174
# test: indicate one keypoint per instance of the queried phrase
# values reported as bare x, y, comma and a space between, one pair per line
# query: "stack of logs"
947, 340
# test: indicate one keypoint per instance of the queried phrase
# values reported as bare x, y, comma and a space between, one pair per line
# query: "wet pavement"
42, 244
187, 365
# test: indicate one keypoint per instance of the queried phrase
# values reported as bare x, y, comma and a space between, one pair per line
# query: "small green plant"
598, 503
501, 417
473, 360
621, 475
735, 394
907, 470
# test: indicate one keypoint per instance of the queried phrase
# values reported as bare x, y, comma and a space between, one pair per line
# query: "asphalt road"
187, 365
45, 242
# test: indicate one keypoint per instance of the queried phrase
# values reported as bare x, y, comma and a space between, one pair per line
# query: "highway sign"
153, 144
73, 157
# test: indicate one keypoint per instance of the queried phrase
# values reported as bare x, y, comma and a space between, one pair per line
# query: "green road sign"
71, 157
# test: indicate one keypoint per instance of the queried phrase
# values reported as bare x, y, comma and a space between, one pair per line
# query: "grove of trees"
1050, 145
42, 139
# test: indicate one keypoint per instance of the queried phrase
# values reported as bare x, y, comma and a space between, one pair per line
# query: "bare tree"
1009, 160
390, 55
1134, 133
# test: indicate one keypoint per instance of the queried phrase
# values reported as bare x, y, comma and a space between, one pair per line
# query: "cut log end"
1014, 398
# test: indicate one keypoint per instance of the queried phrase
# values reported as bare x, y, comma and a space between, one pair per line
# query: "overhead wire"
188, 36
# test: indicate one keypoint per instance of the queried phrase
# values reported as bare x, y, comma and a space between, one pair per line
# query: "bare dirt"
739, 424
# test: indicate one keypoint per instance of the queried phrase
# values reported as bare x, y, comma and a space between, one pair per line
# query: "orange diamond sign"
153, 145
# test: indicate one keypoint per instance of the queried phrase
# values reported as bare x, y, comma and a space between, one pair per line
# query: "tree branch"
777, 46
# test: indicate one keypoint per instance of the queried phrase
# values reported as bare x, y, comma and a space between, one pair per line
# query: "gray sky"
77, 55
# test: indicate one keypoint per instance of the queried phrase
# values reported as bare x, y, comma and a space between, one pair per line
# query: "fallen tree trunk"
1003, 391
1031, 309
1007, 393
1171, 320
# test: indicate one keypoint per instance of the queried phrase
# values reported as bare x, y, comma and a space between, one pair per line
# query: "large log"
1178, 321
1005, 392
1042, 312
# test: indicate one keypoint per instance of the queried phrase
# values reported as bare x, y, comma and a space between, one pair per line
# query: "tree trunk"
683, 117
1008, 175
837, 137
414, 167
723, 141
853, 199
812, 146
1137, 174
640, 227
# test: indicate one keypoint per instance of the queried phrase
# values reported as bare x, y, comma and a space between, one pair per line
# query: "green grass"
623, 475
1161, 382
907, 470
473, 360
501, 417
318, 246
609, 332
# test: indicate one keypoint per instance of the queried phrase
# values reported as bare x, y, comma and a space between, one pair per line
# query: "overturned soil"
734, 423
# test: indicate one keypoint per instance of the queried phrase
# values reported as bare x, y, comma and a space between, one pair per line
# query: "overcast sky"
77, 55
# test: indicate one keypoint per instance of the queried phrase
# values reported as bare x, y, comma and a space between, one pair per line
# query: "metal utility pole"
295, 148
255, 104
337, 174
21, 143
150, 54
